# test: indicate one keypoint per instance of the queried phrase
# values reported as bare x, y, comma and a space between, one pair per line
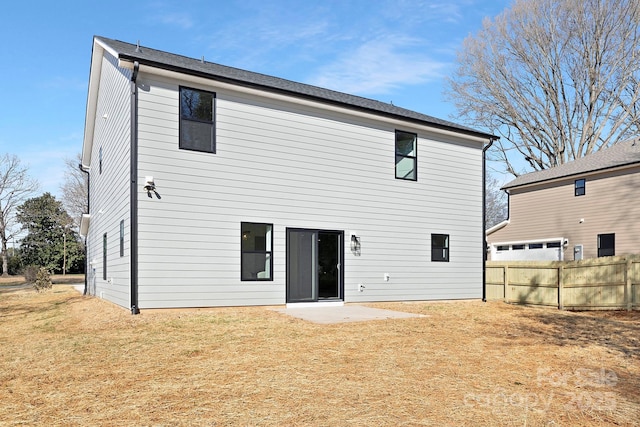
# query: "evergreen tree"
50, 241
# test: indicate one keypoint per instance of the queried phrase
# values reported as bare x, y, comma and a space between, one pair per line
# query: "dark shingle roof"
620, 154
165, 60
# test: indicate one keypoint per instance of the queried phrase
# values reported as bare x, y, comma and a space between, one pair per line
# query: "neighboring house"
586, 208
214, 186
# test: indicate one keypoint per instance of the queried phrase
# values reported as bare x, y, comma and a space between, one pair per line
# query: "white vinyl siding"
110, 187
299, 167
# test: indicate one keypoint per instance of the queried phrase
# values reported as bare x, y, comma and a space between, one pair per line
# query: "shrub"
31, 273
43, 280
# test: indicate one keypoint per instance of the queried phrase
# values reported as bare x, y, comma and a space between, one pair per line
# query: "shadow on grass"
15, 309
617, 331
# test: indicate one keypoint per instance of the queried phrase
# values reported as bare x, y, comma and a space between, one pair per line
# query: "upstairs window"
440, 247
256, 243
580, 187
606, 245
197, 120
406, 155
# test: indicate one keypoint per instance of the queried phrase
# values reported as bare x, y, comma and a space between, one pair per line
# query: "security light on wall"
355, 243
149, 185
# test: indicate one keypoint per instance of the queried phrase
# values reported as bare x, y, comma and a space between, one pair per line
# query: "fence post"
560, 287
628, 295
506, 283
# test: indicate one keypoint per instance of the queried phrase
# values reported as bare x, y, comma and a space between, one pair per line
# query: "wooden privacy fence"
594, 284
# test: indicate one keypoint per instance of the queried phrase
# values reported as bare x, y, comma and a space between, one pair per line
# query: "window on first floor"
122, 238
406, 155
256, 243
580, 187
440, 247
606, 244
104, 256
197, 120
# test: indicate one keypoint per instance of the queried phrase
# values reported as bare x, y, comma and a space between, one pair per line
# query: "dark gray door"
314, 265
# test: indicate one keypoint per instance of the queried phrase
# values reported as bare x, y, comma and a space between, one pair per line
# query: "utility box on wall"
577, 252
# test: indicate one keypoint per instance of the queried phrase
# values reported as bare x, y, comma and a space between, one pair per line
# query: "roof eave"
127, 58
572, 175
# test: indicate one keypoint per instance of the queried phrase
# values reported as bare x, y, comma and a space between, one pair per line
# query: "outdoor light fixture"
355, 244
150, 187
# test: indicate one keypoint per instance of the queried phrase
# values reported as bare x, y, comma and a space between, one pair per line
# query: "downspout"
484, 220
133, 193
86, 254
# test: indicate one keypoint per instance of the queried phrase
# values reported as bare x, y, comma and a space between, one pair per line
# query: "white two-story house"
215, 186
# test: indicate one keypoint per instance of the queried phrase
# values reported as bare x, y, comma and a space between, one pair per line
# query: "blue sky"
396, 51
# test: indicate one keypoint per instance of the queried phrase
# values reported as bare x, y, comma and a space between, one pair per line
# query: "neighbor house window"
122, 238
256, 243
580, 186
104, 256
606, 244
440, 247
197, 115
406, 155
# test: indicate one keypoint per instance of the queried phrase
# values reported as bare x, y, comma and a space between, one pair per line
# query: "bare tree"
556, 79
75, 189
15, 187
495, 203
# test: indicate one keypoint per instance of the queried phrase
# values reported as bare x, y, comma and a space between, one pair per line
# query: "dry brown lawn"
66, 359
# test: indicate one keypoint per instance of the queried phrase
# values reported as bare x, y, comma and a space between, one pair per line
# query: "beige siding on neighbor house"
551, 210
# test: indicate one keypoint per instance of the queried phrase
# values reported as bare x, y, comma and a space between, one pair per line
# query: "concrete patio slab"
344, 313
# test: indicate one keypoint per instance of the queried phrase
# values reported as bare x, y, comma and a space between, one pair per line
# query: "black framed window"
406, 155
580, 187
104, 256
256, 258
197, 120
440, 247
606, 244
122, 238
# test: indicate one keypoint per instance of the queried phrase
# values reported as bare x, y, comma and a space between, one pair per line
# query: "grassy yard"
55, 279
66, 359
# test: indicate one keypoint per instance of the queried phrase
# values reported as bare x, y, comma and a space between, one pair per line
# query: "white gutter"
497, 227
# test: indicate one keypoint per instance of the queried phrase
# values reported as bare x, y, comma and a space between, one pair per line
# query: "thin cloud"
176, 19
380, 66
